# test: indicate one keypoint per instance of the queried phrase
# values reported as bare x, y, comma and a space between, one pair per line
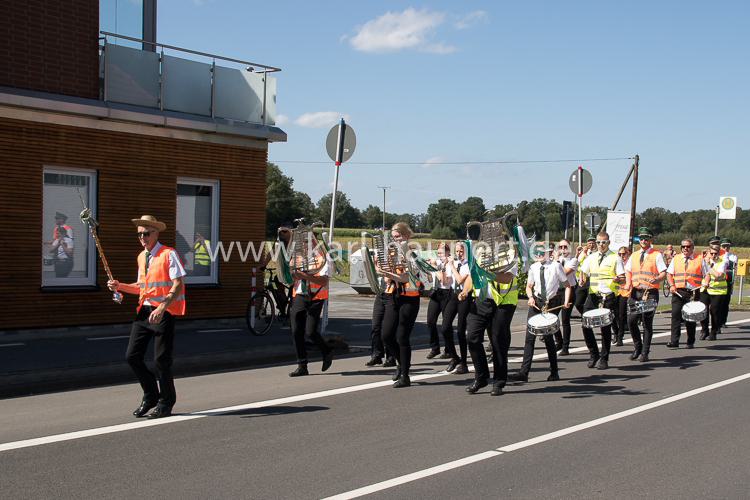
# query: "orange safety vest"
407, 290
641, 274
56, 233
155, 284
316, 292
691, 275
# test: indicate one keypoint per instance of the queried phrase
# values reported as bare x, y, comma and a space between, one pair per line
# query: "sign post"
580, 182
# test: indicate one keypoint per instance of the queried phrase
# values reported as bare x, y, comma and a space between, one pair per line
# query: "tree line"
447, 218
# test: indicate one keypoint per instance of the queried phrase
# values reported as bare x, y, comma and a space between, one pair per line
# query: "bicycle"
665, 289
262, 306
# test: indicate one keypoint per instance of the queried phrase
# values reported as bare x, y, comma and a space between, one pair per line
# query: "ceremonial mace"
88, 218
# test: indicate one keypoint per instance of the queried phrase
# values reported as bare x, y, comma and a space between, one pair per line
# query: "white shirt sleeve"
532, 272
670, 269
619, 268
561, 274
629, 265
586, 266
175, 266
660, 264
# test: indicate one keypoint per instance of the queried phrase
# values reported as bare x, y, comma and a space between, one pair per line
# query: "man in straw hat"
161, 297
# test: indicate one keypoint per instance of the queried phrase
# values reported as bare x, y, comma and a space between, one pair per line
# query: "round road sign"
587, 181
350, 142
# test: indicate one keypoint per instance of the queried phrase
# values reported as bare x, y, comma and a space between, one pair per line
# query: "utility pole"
632, 205
384, 188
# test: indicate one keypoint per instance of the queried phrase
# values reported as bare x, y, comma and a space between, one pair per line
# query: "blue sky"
487, 81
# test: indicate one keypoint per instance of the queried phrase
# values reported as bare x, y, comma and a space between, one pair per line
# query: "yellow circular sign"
727, 203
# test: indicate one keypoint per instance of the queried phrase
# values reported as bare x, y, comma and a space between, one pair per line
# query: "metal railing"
251, 67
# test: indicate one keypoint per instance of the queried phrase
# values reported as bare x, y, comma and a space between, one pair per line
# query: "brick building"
133, 127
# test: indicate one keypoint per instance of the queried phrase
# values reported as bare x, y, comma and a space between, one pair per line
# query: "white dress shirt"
554, 277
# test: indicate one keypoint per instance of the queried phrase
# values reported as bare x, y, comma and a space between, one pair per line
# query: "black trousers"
621, 316
459, 308
562, 337
440, 300
714, 304
592, 302
63, 267
549, 342
486, 315
642, 346
727, 301
304, 318
141, 332
400, 315
376, 334
581, 294
679, 299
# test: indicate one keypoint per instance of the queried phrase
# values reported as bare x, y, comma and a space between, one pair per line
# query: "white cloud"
470, 19
282, 119
432, 162
320, 119
395, 31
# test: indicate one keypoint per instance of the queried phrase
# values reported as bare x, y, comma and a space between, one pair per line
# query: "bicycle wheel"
260, 319
665, 288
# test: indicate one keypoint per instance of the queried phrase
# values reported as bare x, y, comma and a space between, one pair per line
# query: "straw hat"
150, 221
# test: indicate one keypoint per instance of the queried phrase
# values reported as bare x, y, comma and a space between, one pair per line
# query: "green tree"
372, 216
444, 214
283, 203
471, 209
346, 214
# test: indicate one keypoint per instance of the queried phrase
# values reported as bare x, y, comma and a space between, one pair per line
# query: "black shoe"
476, 385
518, 377
327, 361
704, 335
433, 353
635, 354
445, 355
461, 369
452, 365
497, 389
390, 361
643, 358
564, 352
144, 408
712, 336
301, 371
160, 411
689, 346
553, 377
592, 361
673, 345
558, 347
619, 342
602, 364
402, 381
374, 362
396, 375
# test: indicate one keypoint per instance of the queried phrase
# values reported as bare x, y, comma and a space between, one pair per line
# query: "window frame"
92, 273
213, 277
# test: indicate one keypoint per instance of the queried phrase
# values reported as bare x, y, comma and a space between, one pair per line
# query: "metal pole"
384, 188
339, 154
633, 201
716, 225
739, 300
580, 205
617, 198
253, 288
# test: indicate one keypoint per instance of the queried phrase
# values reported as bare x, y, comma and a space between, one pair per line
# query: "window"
68, 250
123, 17
197, 231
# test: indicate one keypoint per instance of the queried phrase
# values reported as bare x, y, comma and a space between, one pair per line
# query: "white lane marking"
56, 438
15, 344
109, 338
221, 330
390, 483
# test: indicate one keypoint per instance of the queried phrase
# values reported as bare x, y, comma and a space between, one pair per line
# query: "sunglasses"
562, 246
144, 234
602, 242
714, 253
622, 254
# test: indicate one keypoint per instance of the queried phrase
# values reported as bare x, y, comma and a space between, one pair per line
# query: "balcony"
232, 91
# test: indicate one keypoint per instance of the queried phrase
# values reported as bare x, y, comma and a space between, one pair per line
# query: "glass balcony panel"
132, 76
271, 100
186, 85
239, 95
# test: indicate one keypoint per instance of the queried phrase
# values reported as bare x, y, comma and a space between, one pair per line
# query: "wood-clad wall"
136, 175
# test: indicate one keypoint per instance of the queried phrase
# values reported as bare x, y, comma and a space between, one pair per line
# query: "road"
674, 427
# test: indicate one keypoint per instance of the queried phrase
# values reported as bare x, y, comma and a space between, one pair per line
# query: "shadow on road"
273, 411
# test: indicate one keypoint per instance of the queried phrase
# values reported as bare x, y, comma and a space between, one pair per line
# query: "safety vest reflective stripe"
692, 276
156, 284
504, 293
718, 286
202, 257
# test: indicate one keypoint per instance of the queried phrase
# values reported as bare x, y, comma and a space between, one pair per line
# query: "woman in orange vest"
644, 272
161, 297
401, 309
309, 294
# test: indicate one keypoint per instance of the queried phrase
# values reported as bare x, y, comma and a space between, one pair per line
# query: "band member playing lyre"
644, 273
401, 310
600, 270
161, 292
545, 278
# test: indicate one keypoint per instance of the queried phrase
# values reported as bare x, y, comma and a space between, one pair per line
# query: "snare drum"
641, 307
597, 318
544, 324
694, 312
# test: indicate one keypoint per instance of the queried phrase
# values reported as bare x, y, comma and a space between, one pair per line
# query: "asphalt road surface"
674, 427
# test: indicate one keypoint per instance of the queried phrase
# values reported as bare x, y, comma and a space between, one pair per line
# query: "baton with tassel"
88, 218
